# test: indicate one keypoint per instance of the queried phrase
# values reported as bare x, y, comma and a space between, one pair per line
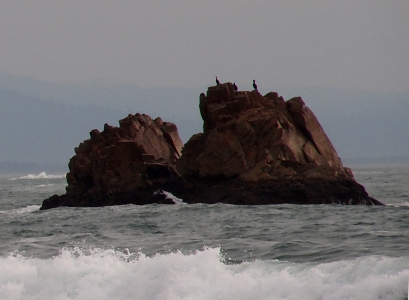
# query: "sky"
355, 44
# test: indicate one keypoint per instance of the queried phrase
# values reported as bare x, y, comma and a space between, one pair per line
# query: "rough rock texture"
256, 137
121, 165
258, 149
254, 149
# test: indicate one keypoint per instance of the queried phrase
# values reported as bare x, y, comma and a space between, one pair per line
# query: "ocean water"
204, 251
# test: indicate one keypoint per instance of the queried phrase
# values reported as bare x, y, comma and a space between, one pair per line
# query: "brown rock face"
122, 162
254, 150
253, 137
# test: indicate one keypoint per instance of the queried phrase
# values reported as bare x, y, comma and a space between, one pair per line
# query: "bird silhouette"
254, 84
234, 86
217, 81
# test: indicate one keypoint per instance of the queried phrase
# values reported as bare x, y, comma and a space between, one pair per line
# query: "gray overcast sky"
348, 44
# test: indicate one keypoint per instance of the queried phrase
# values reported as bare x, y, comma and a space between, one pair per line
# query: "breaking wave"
22, 210
172, 197
108, 274
41, 175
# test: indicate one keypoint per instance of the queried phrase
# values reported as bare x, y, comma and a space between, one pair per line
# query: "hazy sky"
348, 44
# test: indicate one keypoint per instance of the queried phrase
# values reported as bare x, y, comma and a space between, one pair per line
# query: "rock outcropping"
255, 137
254, 149
121, 165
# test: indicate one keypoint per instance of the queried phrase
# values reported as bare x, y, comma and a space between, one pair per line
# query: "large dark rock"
254, 149
255, 137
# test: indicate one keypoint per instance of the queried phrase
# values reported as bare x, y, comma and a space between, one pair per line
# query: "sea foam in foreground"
104, 274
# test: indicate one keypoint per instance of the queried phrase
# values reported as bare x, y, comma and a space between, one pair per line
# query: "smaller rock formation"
121, 165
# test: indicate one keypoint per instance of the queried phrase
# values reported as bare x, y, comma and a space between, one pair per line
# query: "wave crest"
42, 175
108, 274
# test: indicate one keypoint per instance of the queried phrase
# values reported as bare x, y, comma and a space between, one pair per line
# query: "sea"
202, 251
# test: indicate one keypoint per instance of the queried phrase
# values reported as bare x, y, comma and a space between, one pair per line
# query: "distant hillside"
176, 105
37, 131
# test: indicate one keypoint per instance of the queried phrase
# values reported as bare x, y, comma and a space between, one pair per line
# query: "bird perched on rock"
254, 84
234, 86
217, 81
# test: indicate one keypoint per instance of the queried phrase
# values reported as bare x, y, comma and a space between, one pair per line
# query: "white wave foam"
400, 204
172, 197
106, 274
44, 185
22, 210
175, 199
367, 172
41, 175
